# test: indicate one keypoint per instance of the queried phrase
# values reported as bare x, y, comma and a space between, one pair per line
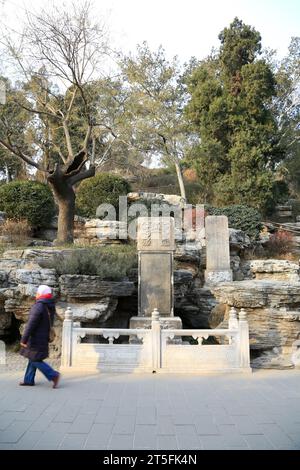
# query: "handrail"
217, 332
101, 331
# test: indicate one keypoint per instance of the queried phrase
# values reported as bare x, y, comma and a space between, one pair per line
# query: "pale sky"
184, 27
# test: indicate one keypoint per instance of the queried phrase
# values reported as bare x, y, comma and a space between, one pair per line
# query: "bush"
194, 193
280, 243
240, 217
17, 231
111, 263
27, 199
102, 188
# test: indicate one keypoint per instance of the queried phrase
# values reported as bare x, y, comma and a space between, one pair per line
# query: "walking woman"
36, 337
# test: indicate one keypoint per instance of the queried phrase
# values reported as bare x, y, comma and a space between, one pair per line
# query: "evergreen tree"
231, 93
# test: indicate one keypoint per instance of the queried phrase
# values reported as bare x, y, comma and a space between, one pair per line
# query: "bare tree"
58, 56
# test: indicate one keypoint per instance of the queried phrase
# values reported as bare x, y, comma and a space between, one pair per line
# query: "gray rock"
47, 235
13, 254
258, 293
89, 311
188, 252
5, 322
3, 279
274, 269
182, 282
273, 359
34, 276
238, 241
273, 316
85, 287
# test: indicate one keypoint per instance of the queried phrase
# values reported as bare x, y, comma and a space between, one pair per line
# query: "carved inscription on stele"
155, 234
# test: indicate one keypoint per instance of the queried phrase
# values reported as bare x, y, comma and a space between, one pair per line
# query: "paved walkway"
168, 412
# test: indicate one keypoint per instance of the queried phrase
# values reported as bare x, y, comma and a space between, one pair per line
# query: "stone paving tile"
121, 442
296, 439
146, 415
7, 446
106, 414
127, 409
165, 425
187, 437
49, 441
233, 410
59, 427
99, 394
14, 431
28, 440
16, 406
221, 417
277, 437
166, 443
82, 424
182, 416
67, 414
145, 436
73, 442
288, 425
258, 442
90, 406
163, 408
246, 425
232, 437
6, 418
213, 442
32, 412
124, 425
43, 422
99, 436
205, 426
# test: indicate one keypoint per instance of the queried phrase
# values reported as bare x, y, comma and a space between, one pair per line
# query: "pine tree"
230, 109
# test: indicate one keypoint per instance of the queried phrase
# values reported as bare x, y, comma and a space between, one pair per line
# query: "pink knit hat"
44, 291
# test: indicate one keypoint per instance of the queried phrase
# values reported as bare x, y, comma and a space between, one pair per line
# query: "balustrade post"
233, 319
244, 340
156, 340
66, 350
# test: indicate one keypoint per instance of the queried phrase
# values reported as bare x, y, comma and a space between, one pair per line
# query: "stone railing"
157, 350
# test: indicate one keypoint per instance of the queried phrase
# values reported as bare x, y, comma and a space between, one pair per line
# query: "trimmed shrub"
100, 189
240, 217
110, 263
27, 199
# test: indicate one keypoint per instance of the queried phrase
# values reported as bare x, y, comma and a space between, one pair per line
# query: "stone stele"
217, 250
156, 246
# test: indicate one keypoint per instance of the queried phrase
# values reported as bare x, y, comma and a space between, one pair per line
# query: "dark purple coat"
36, 334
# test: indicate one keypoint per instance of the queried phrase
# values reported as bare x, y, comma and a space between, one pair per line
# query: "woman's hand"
23, 345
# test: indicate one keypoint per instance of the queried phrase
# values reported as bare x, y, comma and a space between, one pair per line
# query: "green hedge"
240, 217
108, 262
102, 188
29, 200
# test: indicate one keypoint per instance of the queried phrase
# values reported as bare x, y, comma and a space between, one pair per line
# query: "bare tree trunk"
7, 174
65, 230
65, 198
180, 181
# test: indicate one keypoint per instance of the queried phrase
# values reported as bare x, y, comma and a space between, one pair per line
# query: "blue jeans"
32, 366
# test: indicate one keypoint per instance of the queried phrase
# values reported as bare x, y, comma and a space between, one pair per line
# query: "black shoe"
23, 384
